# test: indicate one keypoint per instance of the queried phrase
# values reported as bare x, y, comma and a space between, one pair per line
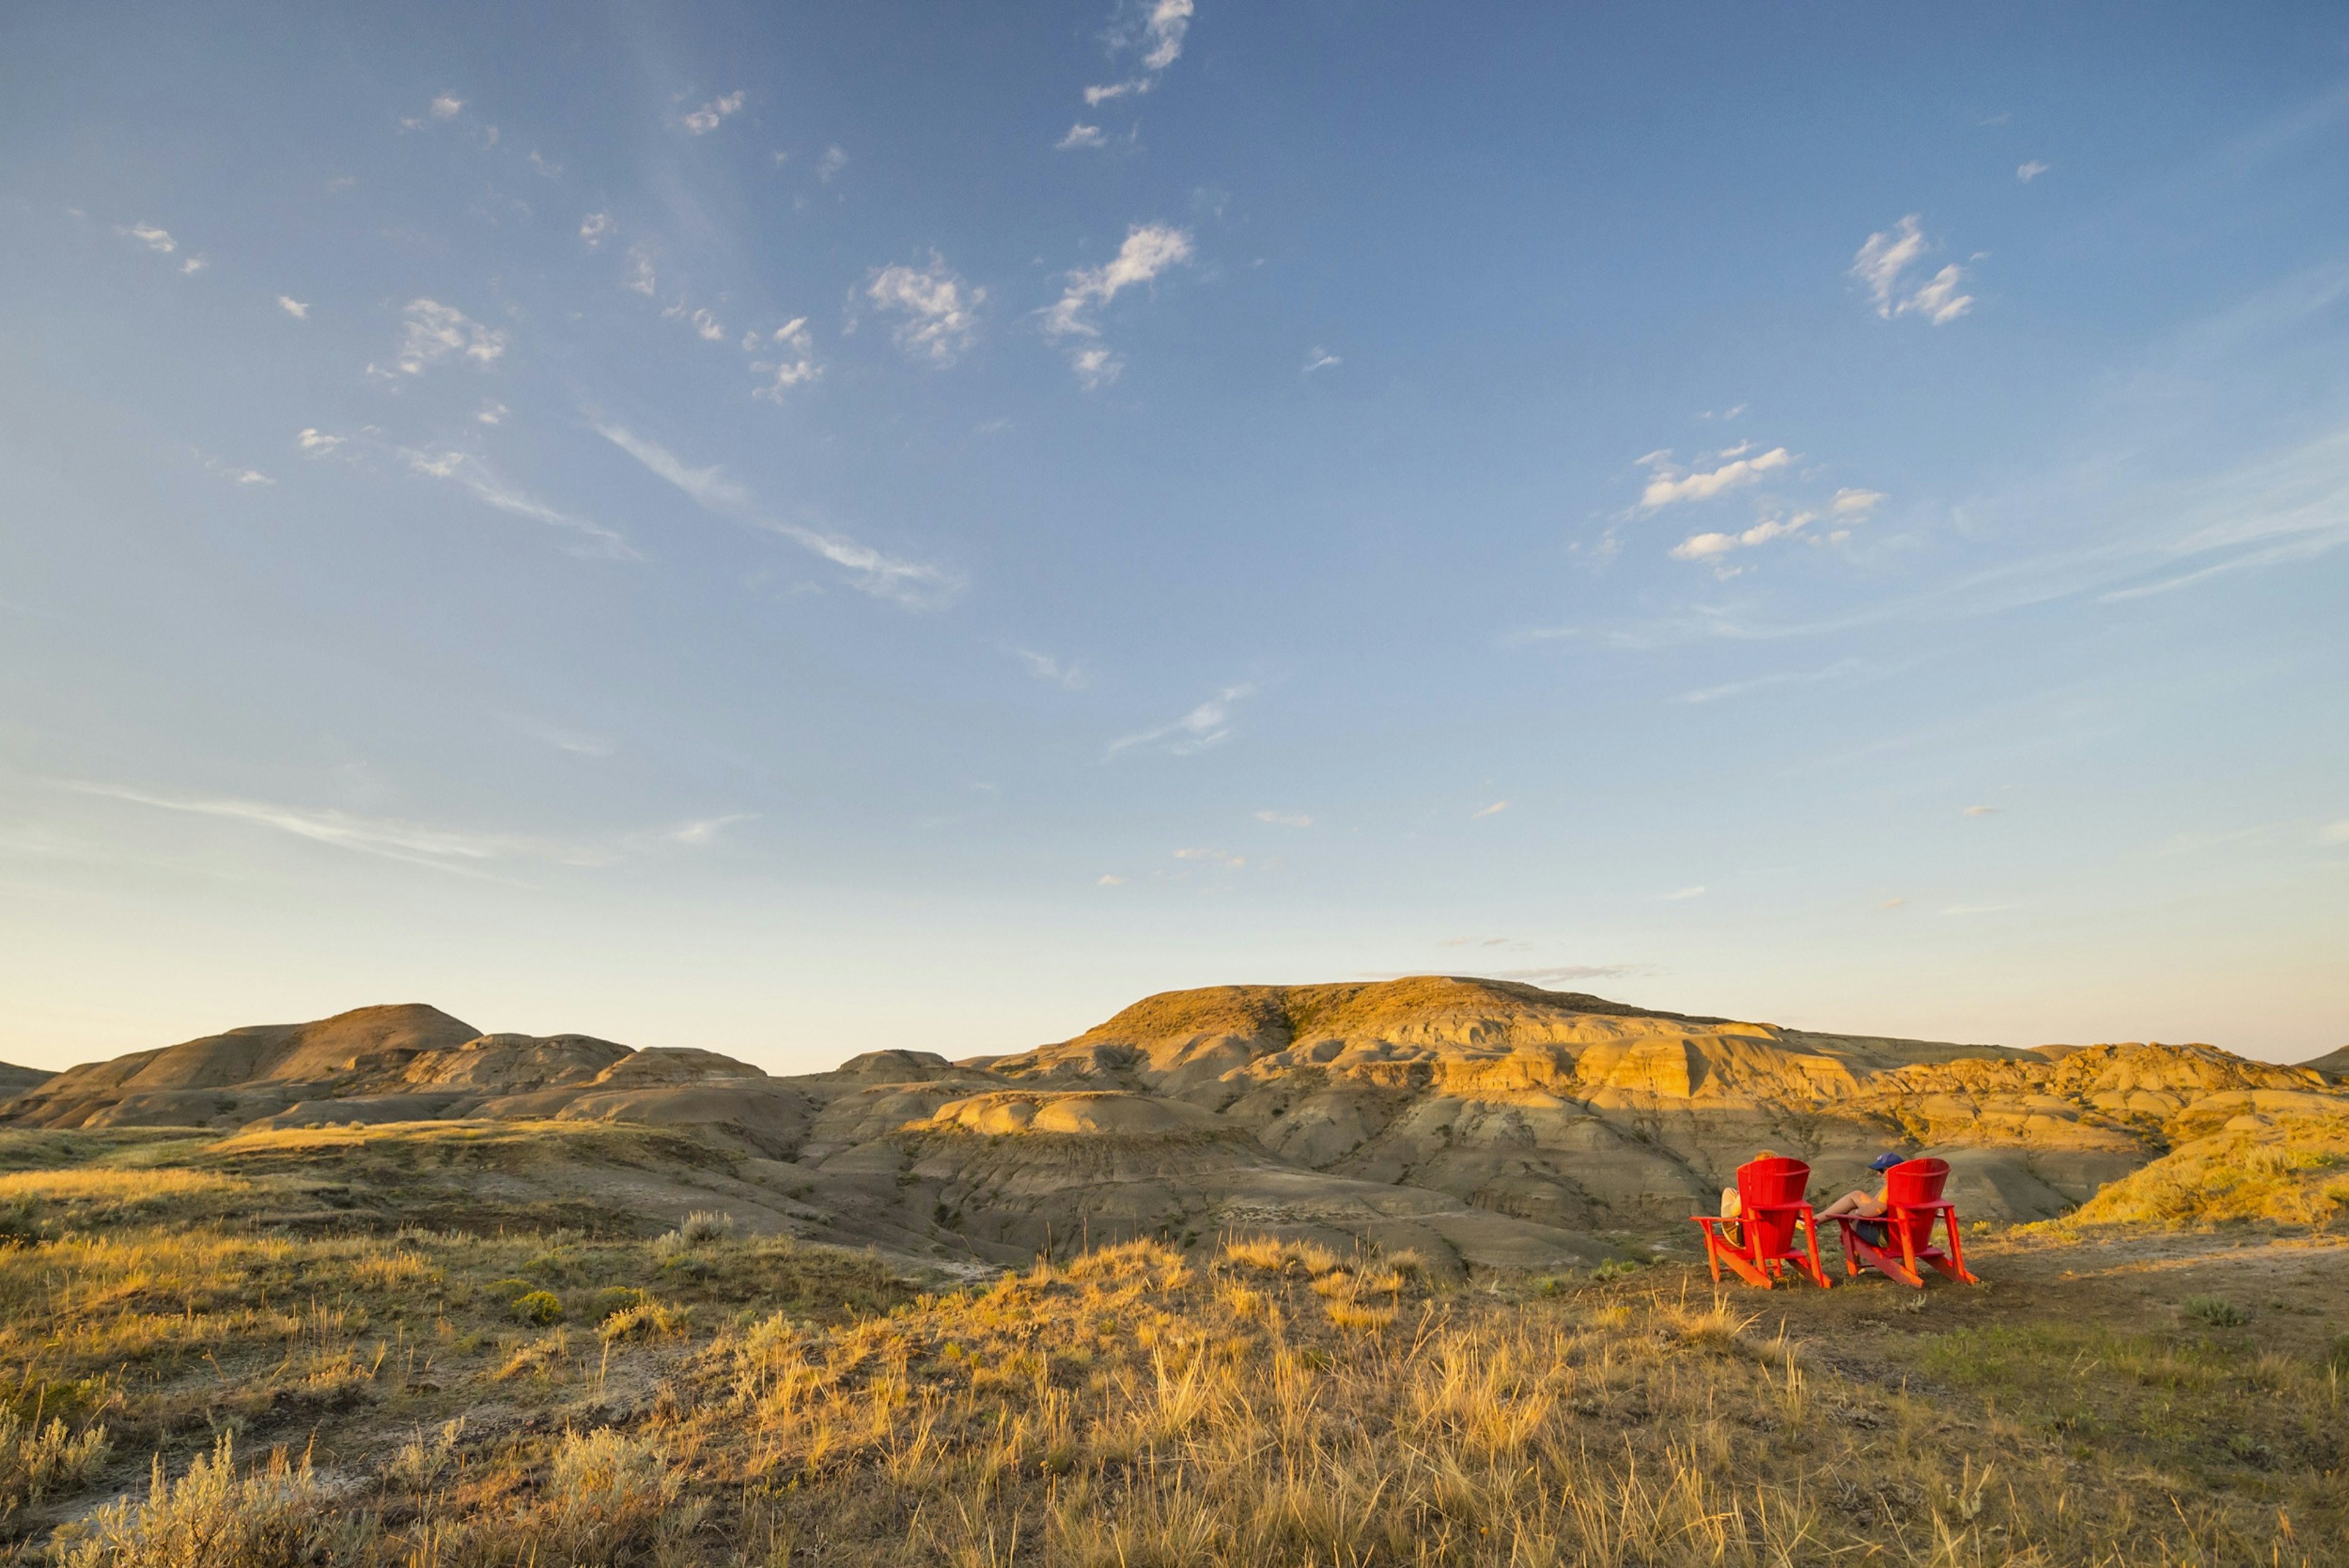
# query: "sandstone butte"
1481, 1122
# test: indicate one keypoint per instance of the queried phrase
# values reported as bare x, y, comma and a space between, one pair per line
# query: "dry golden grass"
727, 1400
2295, 1172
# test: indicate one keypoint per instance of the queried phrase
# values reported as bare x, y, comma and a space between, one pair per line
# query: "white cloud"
233, 474
1148, 251
940, 311
641, 276
709, 328
1883, 263
1095, 367
1939, 300
1159, 38
1495, 810
1051, 671
482, 482
1666, 486
1893, 903
828, 167
1218, 857
1285, 819
1080, 135
916, 585
1983, 810
294, 307
593, 227
709, 116
492, 413
2336, 832
1708, 546
435, 331
448, 106
318, 442
193, 264
552, 170
157, 240
2031, 171
1209, 724
1110, 879
1850, 502
793, 363
1318, 359
1697, 892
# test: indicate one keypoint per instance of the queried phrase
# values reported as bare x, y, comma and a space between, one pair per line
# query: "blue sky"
796, 530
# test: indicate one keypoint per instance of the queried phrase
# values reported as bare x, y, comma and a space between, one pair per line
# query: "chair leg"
1957, 1269
1811, 1233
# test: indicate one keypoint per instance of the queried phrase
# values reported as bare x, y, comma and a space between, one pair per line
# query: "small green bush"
2217, 1311
539, 1306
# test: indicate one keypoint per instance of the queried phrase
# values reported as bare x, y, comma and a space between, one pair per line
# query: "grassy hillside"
495, 1393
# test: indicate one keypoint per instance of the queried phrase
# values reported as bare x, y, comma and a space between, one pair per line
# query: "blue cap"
1887, 1161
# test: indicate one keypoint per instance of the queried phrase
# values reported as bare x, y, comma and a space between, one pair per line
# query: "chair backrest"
1914, 1182
1765, 1185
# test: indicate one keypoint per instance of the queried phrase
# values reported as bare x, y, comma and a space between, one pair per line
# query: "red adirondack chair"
1913, 1192
1760, 1242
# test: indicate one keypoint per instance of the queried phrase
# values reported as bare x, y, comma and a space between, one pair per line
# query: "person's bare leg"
1862, 1204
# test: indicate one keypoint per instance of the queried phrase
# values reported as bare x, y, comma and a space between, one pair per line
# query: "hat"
1887, 1161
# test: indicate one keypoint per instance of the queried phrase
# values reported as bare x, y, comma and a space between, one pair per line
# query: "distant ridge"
1486, 1122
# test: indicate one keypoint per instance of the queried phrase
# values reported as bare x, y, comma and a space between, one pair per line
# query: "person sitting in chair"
1867, 1206
1732, 1206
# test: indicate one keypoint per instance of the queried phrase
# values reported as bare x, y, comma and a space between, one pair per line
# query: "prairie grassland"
197, 1392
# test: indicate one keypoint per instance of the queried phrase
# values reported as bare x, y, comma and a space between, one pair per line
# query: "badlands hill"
1479, 1122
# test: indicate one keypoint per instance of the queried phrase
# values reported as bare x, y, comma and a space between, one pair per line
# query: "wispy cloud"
916, 585
1495, 810
1216, 857
711, 114
1110, 879
416, 844
1155, 30
937, 311
1882, 268
1150, 249
1318, 358
1285, 819
316, 442
1051, 671
2335, 832
432, 332
641, 276
1983, 810
593, 227
161, 241
1209, 724
1080, 135
1668, 484
448, 106
294, 307
1678, 895
482, 481
2031, 171
790, 362
830, 167
1711, 546
1762, 682
233, 473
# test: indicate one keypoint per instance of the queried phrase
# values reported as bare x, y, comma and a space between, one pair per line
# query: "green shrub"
538, 1306
2217, 1311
